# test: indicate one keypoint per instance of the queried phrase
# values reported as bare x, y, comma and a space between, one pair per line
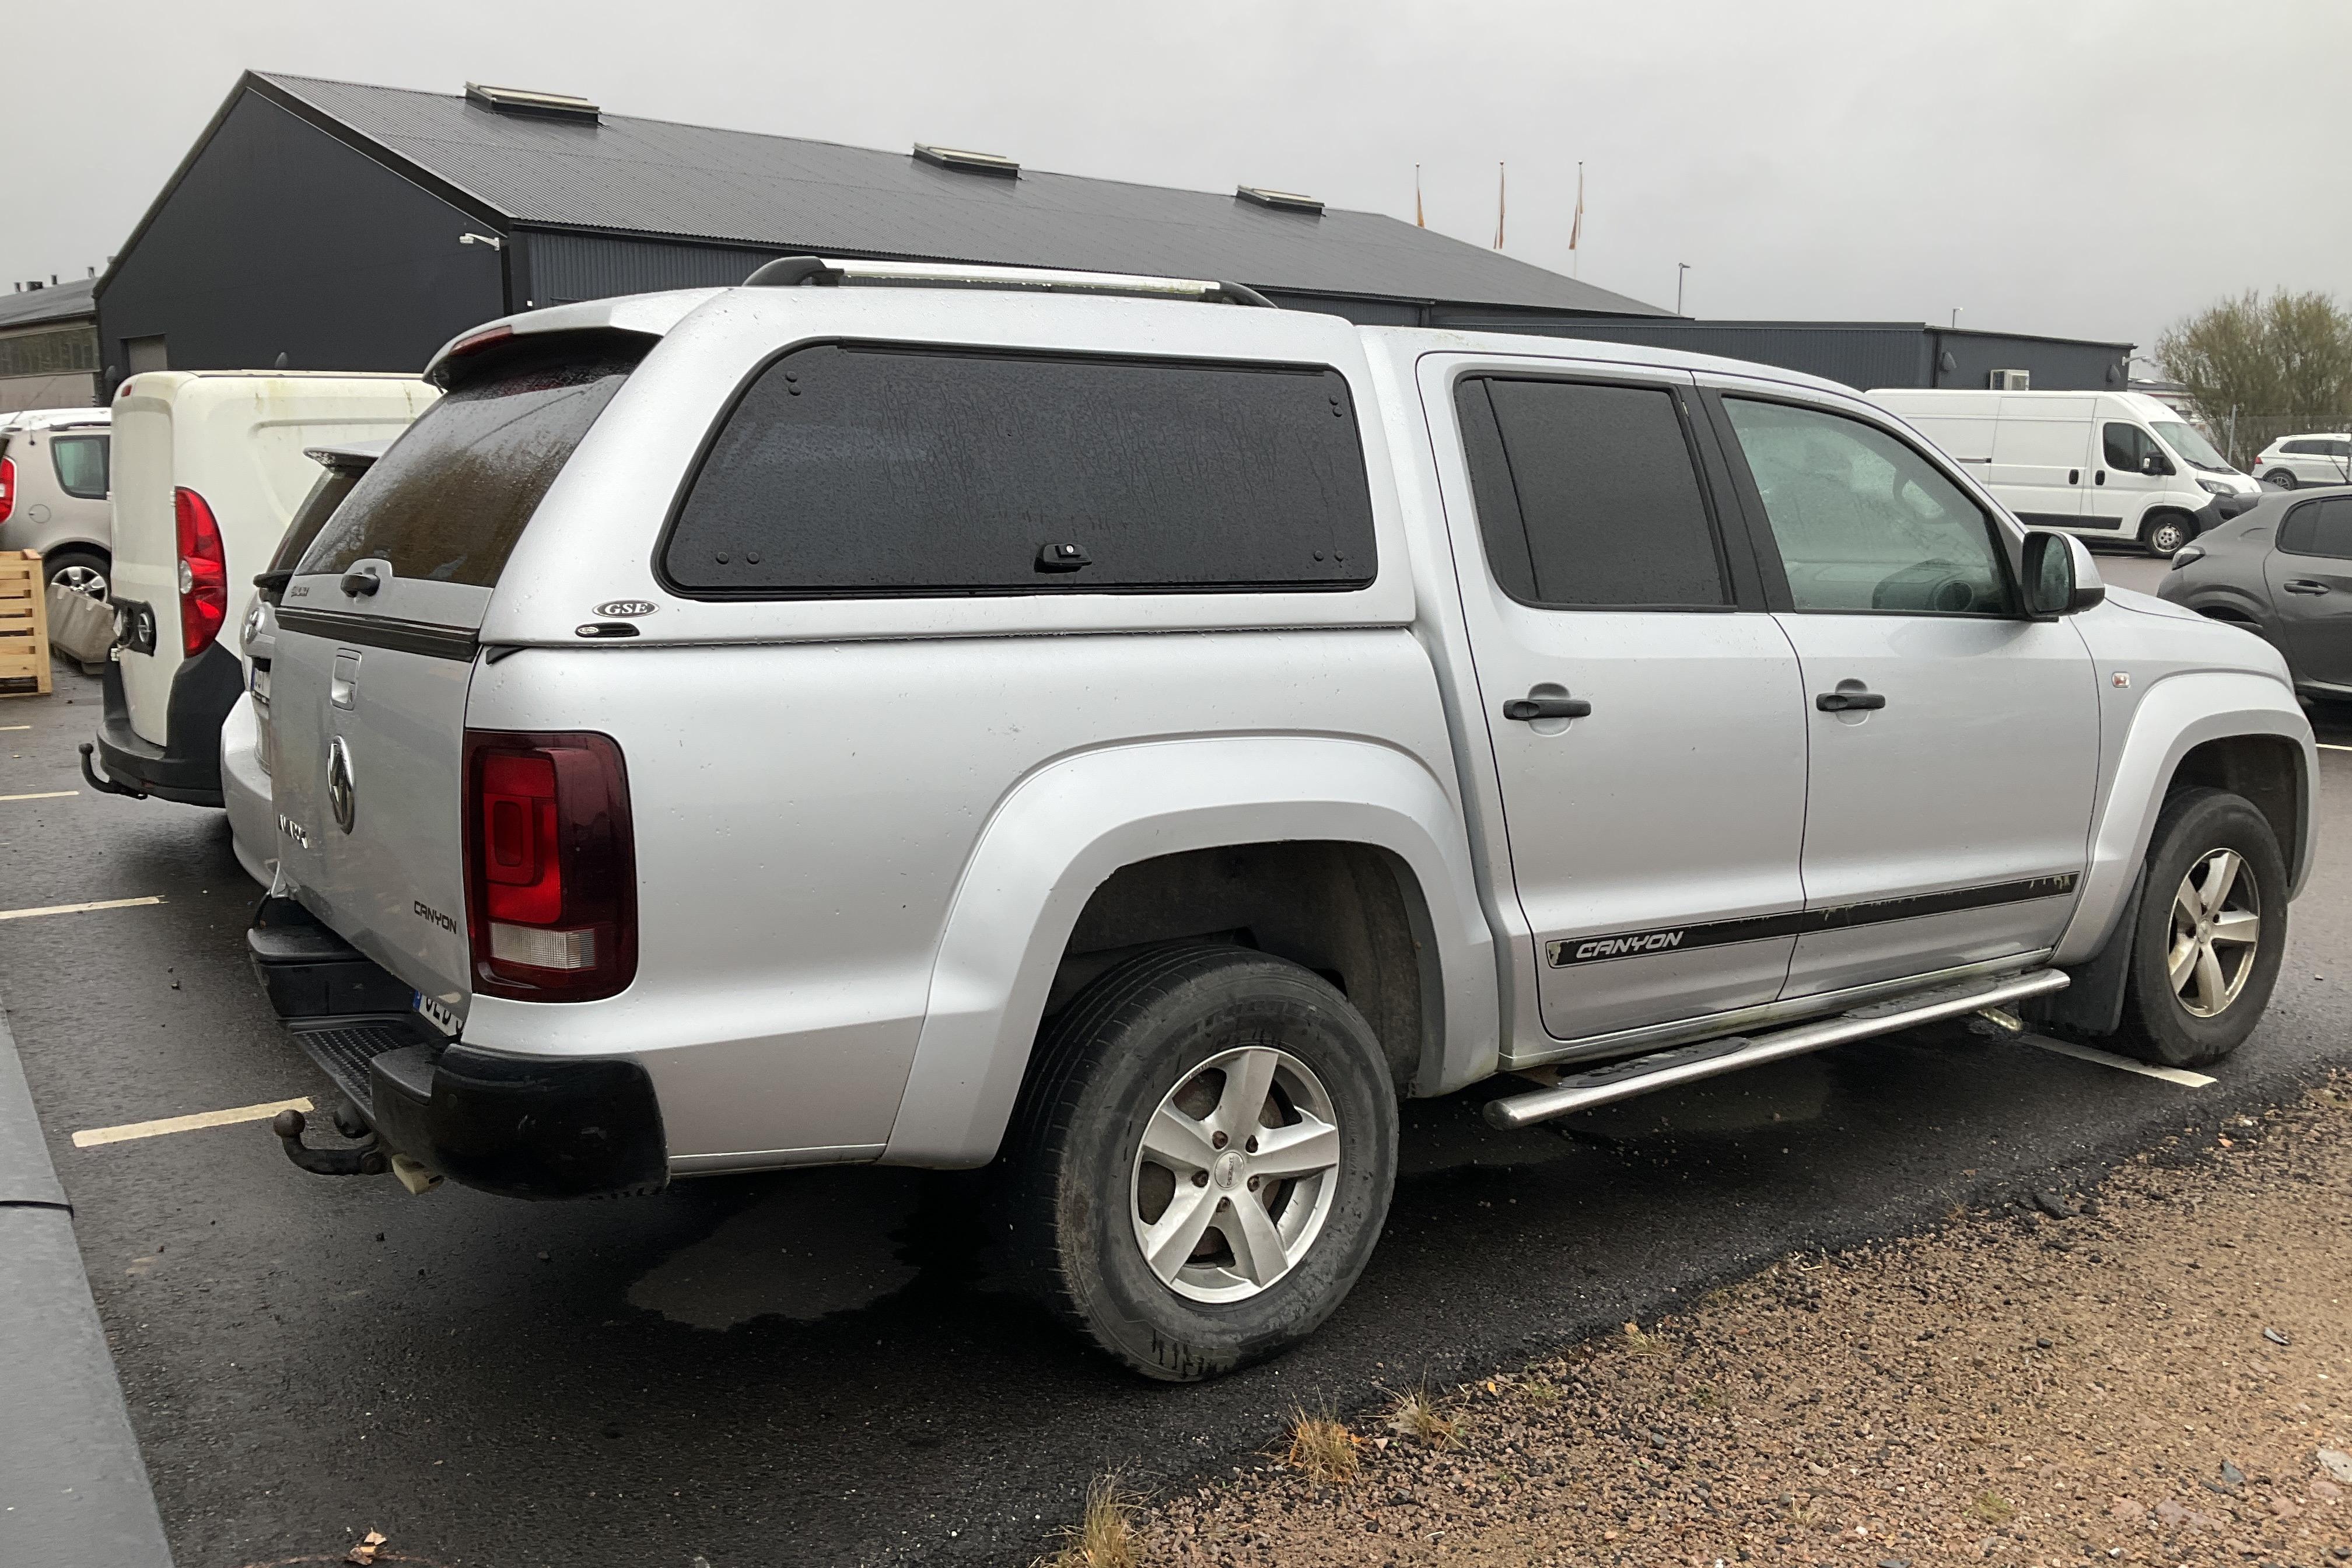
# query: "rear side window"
859, 469
81, 465
334, 483
2319, 528
1589, 495
450, 498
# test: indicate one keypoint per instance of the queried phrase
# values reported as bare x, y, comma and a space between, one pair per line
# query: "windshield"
2185, 440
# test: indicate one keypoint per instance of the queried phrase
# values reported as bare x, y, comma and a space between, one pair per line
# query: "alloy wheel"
87, 580
1235, 1174
2216, 927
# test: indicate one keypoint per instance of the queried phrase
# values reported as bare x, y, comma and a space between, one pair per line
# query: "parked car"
2292, 460
1132, 741
54, 487
209, 471
244, 733
2282, 571
2103, 465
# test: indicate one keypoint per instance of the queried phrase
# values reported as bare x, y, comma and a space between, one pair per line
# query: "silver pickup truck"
1108, 729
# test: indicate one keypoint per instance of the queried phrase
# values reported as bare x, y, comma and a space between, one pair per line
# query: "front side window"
81, 465
1588, 495
853, 470
2128, 447
449, 498
2321, 528
1862, 521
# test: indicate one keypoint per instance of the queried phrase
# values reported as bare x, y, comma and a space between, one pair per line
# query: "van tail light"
8, 486
204, 571
550, 865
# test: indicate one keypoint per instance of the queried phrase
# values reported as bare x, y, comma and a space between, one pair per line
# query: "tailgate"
375, 653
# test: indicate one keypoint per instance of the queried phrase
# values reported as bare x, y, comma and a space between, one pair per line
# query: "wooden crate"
24, 625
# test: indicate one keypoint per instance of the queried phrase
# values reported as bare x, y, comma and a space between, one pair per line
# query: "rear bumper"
186, 767
246, 792
522, 1126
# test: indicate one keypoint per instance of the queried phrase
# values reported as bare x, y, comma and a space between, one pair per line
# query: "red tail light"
7, 488
204, 571
550, 865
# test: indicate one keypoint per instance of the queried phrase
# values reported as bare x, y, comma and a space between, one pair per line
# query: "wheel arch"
2234, 731
1084, 825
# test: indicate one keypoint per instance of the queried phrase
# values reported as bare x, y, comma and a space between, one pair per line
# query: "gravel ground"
2160, 1371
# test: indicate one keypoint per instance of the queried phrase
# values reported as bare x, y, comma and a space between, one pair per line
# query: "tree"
2281, 364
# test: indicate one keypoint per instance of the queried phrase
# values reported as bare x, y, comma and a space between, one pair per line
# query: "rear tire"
2210, 932
1144, 1118
82, 571
2167, 532
2283, 477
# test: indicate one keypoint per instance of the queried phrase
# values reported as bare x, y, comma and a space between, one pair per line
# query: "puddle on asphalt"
810, 1245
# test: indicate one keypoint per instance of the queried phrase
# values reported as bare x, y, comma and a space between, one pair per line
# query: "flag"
1418, 221
1576, 228
1498, 206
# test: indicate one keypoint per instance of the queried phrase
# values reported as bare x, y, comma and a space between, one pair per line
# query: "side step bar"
1711, 1059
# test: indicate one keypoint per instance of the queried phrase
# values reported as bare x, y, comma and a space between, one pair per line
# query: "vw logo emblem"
338, 783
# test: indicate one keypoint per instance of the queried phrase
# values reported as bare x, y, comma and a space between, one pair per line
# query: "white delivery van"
2105, 465
209, 467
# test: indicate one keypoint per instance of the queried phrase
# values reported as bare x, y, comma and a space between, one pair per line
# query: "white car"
2292, 460
1113, 730
244, 733
209, 467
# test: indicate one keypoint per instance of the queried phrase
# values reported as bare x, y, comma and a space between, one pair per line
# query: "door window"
852, 469
2319, 528
1589, 496
80, 463
2127, 447
1862, 521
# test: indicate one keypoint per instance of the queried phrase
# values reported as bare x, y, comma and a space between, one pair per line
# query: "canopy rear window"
450, 499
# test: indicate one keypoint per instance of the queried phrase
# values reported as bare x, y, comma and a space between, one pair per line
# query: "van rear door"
376, 646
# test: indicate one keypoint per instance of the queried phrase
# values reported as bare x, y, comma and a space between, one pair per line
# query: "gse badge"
625, 609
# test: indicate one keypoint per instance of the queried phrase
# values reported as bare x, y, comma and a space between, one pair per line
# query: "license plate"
435, 1014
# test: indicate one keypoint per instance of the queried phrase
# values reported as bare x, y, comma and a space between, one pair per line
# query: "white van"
2105, 465
209, 467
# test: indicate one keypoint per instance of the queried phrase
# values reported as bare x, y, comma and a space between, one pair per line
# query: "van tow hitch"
365, 1160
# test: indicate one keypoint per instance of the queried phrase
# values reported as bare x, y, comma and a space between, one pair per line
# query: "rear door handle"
1524, 709
1849, 701
2304, 585
2074, 476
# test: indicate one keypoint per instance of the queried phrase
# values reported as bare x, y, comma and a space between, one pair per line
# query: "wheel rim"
2167, 538
1235, 1174
87, 580
2217, 930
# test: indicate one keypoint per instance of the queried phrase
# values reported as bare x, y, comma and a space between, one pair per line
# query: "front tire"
2210, 933
1203, 1159
2167, 532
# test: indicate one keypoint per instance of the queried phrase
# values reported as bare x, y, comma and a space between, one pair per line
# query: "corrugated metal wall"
569, 267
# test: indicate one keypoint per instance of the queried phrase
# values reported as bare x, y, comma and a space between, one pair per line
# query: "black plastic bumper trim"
524, 1127
186, 767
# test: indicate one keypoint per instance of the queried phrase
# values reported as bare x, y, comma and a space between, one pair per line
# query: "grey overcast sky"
2089, 168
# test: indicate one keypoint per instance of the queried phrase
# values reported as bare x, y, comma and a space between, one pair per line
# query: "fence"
2242, 436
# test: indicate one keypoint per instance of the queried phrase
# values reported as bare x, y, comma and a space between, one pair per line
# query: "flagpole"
1418, 220
1576, 228
1499, 172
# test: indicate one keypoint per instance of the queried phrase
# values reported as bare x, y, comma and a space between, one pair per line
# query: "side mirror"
2061, 578
2153, 465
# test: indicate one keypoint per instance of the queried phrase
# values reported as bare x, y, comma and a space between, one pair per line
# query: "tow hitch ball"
365, 1160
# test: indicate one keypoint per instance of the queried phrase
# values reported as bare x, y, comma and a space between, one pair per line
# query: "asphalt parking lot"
825, 1366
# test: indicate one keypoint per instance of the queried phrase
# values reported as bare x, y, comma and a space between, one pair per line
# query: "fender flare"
1062, 832
2179, 714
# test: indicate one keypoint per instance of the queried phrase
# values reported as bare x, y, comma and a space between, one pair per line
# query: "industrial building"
346, 227
49, 345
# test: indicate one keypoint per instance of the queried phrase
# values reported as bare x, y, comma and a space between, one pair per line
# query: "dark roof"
656, 177
55, 302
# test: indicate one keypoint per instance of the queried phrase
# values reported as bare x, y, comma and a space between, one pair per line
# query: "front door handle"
1849, 701
2100, 478
2304, 585
1525, 708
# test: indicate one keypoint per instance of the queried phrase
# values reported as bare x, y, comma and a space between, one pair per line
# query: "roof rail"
804, 271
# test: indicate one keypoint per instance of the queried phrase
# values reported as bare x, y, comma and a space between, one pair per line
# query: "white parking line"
77, 909
92, 1138
2181, 1076
2325, 747
45, 795
15, 726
